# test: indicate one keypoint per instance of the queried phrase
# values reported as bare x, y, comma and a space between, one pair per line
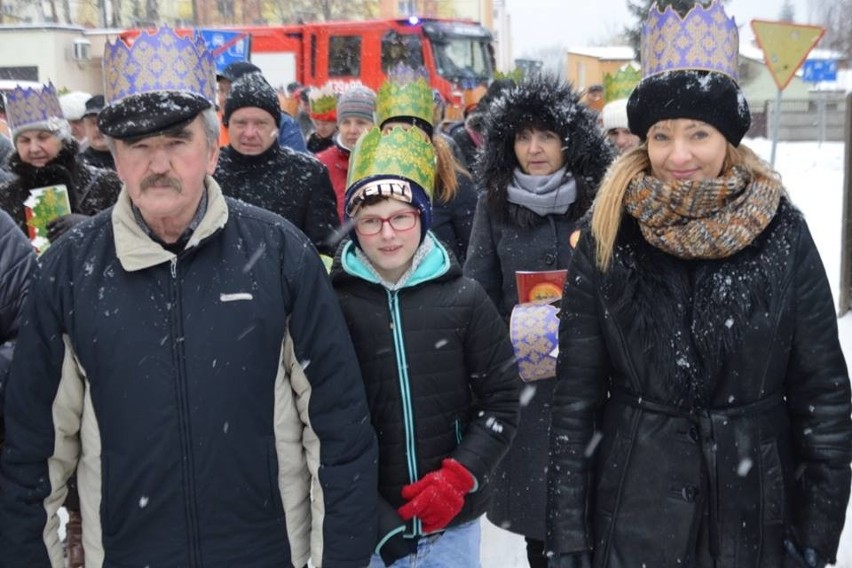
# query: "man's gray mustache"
160, 181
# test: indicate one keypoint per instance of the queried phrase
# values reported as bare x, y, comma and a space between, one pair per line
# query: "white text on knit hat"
393, 189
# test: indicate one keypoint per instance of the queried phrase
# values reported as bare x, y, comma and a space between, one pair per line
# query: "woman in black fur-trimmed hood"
542, 159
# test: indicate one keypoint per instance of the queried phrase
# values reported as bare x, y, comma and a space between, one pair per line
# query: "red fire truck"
457, 54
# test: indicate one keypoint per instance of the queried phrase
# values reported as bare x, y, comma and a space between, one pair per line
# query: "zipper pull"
174, 267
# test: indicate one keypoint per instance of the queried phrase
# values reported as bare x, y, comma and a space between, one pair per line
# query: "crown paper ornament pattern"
323, 104
406, 93
622, 83
159, 82
704, 39
399, 153
162, 61
34, 109
689, 70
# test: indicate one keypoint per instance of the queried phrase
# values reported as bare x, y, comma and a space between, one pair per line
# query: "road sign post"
785, 47
846, 227
818, 71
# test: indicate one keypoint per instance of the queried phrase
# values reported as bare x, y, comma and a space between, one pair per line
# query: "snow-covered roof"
619, 52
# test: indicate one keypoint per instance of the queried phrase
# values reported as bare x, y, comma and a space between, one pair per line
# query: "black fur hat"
707, 96
546, 103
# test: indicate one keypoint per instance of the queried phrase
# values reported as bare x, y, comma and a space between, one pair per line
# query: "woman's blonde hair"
608, 206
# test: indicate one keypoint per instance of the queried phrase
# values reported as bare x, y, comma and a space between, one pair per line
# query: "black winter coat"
463, 144
453, 221
719, 395
289, 183
440, 379
98, 158
90, 189
17, 265
506, 238
497, 250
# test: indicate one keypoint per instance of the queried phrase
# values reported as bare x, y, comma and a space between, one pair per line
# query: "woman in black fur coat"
542, 160
701, 414
90, 189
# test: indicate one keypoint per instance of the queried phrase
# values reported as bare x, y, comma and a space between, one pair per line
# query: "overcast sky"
538, 24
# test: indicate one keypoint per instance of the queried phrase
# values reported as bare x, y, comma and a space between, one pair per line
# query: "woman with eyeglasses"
541, 161
435, 356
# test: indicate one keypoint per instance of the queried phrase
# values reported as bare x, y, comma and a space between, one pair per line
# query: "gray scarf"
543, 195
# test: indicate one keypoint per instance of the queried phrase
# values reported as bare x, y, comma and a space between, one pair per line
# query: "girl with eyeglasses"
437, 364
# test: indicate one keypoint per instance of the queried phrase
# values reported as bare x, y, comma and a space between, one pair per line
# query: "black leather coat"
713, 399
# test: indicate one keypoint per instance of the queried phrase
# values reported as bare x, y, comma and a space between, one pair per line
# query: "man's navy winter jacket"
210, 401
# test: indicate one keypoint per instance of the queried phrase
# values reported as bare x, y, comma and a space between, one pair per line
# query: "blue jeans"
456, 547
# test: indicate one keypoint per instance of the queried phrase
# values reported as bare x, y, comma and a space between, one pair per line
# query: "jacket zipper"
187, 469
405, 395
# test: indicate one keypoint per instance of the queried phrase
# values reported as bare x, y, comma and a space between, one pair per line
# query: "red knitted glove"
438, 497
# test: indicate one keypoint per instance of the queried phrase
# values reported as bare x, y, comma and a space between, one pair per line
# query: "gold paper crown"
29, 107
402, 153
323, 103
704, 39
162, 61
398, 98
620, 85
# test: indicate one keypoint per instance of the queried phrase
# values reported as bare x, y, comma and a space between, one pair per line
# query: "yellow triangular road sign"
785, 46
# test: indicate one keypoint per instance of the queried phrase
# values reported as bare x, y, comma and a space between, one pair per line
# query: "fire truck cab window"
401, 48
344, 56
461, 58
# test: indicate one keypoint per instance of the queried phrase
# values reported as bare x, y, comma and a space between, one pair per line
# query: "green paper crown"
412, 98
322, 101
620, 85
404, 153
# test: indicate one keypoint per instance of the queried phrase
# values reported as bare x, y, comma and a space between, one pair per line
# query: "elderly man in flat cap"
185, 352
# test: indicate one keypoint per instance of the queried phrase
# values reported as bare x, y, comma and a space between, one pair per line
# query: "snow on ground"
813, 176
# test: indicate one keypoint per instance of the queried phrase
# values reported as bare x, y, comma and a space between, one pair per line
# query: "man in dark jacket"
186, 353
47, 155
255, 169
97, 154
289, 133
17, 265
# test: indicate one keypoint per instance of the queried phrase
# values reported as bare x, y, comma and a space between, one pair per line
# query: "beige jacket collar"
137, 251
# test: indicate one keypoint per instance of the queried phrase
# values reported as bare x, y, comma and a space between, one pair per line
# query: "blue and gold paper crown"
34, 108
704, 39
162, 61
534, 331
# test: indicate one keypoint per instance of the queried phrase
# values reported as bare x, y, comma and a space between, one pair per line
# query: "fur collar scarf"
694, 312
